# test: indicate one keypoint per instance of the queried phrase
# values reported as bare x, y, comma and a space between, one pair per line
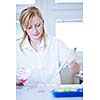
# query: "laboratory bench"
34, 93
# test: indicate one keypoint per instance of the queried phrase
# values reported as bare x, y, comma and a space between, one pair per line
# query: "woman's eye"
37, 25
29, 27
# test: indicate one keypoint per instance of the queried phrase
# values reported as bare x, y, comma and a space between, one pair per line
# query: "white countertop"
30, 93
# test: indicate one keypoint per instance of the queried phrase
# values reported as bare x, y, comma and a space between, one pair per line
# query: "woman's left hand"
75, 67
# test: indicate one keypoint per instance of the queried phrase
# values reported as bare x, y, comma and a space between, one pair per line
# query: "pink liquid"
23, 81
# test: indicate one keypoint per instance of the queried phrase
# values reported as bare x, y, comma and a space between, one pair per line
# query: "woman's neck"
35, 43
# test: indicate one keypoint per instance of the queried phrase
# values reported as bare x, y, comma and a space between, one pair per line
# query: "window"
66, 1
71, 33
25, 1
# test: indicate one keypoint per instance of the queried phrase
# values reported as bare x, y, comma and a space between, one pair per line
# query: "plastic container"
67, 92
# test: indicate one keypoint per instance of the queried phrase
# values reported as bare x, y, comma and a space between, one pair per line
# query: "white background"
8, 50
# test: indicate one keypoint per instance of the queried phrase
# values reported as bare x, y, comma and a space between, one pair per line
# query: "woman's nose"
34, 29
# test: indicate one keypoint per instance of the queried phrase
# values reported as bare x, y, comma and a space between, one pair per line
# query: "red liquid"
23, 81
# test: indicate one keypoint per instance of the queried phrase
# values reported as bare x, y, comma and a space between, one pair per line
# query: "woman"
39, 56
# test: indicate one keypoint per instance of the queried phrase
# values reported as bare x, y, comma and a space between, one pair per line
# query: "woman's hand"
75, 67
18, 83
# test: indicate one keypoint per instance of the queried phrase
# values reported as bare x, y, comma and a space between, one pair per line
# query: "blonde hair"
25, 19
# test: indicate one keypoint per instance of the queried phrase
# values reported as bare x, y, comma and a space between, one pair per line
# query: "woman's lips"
35, 34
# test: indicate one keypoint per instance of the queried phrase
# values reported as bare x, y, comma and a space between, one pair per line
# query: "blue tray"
69, 93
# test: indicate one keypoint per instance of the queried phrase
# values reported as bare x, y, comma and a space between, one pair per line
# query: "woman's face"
35, 29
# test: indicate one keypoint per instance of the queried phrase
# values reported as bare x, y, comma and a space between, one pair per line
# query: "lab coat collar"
28, 46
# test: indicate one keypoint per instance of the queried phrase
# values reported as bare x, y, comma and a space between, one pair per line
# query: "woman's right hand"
22, 76
18, 83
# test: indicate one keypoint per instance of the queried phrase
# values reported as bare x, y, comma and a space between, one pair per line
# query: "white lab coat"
44, 63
